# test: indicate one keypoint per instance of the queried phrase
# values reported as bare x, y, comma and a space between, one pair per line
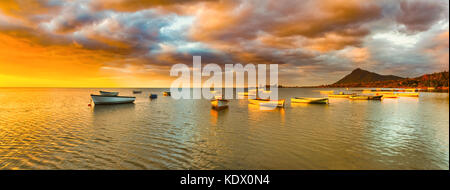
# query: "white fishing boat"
309, 100
105, 93
153, 96
101, 99
326, 91
366, 97
219, 104
340, 95
267, 102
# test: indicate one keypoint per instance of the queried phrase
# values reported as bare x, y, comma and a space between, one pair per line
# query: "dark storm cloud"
419, 16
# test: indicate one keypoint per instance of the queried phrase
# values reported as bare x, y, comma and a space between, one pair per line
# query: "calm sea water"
56, 129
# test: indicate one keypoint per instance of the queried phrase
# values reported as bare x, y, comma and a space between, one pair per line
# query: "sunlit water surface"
56, 129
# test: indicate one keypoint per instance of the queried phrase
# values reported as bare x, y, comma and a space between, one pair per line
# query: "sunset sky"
131, 43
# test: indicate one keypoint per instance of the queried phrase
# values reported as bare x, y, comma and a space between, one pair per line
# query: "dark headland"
362, 78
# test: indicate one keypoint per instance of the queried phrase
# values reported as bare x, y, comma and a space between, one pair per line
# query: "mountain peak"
360, 76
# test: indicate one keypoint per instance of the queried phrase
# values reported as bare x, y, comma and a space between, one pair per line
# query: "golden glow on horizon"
25, 63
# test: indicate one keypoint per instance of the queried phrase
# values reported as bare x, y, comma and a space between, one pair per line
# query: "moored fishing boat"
101, 99
137, 91
410, 90
309, 100
153, 96
367, 91
340, 95
251, 92
385, 92
366, 97
243, 93
326, 91
166, 93
389, 95
219, 104
408, 94
105, 93
267, 102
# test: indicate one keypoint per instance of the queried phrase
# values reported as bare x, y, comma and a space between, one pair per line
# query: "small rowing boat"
137, 91
384, 92
105, 93
406, 94
367, 91
101, 99
219, 104
366, 97
153, 96
309, 100
327, 92
389, 95
167, 93
243, 93
340, 95
267, 102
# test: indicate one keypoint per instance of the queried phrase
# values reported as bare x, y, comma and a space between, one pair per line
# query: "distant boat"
101, 99
408, 94
218, 97
267, 102
219, 104
153, 96
309, 100
389, 95
137, 91
385, 92
410, 90
340, 95
366, 91
366, 97
105, 93
243, 93
167, 93
327, 92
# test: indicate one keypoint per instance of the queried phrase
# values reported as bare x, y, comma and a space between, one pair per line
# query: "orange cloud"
134, 5
439, 50
25, 10
357, 55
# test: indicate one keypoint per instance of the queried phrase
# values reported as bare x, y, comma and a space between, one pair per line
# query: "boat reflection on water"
217, 115
112, 109
255, 113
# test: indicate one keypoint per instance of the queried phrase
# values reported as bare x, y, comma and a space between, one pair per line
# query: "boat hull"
310, 100
219, 104
327, 92
390, 96
267, 102
102, 100
366, 97
166, 93
408, 94
339, 95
